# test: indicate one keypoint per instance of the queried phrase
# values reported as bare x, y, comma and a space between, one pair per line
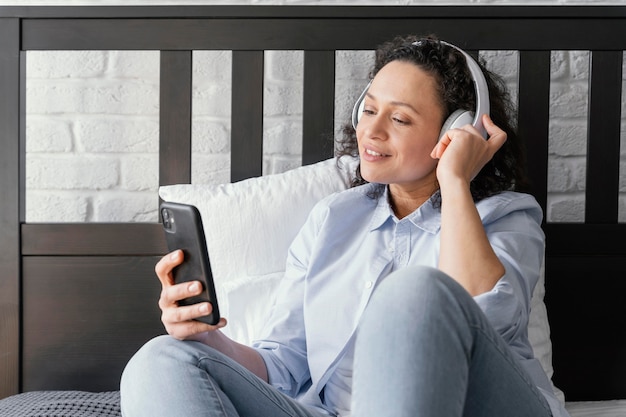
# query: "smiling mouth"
374, 153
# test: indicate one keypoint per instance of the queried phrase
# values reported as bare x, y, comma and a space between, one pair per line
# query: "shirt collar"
427, 217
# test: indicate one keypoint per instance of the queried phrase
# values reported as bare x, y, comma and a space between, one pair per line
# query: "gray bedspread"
62, 404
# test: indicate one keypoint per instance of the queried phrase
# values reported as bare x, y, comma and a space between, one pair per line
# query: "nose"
374, 126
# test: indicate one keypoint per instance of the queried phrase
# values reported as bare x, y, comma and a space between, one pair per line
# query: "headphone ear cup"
357, 110
457, 119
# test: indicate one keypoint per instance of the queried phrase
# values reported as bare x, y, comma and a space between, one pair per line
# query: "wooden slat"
584, 266
11, 168
64, 239
534, 117
603, 143
320, 34
586, 314
247, 115
285, 11
175, 117
84, 318
318, 108
578, 239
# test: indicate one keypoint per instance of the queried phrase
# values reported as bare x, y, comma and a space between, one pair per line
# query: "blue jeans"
424, 348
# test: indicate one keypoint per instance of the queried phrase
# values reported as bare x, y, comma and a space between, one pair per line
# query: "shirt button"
368, 284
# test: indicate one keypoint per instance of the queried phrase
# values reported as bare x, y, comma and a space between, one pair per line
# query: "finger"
166, 264
180, 322
497, 136
179, 314
189, 329
441, 146
171, 294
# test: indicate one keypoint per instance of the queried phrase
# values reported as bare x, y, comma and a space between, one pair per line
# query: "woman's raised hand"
462, 152
179, 320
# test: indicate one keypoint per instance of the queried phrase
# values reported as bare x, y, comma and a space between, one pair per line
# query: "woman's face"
399, 127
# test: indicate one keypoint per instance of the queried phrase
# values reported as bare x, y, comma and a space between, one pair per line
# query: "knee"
143, 360
410, 284
414, 291
155, 348
159, 355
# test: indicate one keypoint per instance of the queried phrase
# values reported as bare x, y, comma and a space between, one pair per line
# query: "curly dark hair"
505, 171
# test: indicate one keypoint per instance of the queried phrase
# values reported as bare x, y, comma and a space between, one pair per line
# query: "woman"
407, 295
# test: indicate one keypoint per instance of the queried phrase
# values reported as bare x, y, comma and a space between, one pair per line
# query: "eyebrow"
395, 103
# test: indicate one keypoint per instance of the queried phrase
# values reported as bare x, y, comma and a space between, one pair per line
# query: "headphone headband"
459, 117
480, 87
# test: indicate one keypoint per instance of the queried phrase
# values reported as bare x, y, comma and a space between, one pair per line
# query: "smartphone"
183, 229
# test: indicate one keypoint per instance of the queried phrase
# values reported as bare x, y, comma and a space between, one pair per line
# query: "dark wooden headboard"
76, 300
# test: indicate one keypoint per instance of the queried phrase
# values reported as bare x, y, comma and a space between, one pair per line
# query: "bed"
78, 299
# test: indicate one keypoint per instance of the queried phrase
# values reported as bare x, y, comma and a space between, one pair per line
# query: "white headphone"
458, 117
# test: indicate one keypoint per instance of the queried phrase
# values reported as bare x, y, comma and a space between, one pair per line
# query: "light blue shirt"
351, 242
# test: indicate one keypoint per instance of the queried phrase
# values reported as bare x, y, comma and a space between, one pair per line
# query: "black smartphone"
183, 228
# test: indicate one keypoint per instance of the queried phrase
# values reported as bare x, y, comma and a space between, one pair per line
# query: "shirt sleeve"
284, 345
518, 241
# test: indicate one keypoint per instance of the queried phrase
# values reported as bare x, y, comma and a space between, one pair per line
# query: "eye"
400, 121
368, 110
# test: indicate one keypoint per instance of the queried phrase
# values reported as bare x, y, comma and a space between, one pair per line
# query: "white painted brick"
579, 172
128, 134
622, 176
568, 137
92, 96
212, 66
559, 175
282, 136
346, 95
212, 100
122, 97
277, 165
210, 169
566, 174
141, 65
55, 206
284, 65
140, 172
65, 64
503, 63
623, 132
282, 99
353, 65
48, 135
579, 65
559, 65
120, 207
569, 208
50, 97
568, 100
621, 211
352, 76
71, 173
210, 136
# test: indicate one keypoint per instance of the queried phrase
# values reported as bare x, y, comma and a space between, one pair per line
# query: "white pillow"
539, 330
249, 226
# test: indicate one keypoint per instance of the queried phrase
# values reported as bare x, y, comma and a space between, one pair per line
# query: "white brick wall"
92, 123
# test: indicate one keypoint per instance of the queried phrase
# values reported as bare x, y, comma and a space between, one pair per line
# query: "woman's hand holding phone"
180, 320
